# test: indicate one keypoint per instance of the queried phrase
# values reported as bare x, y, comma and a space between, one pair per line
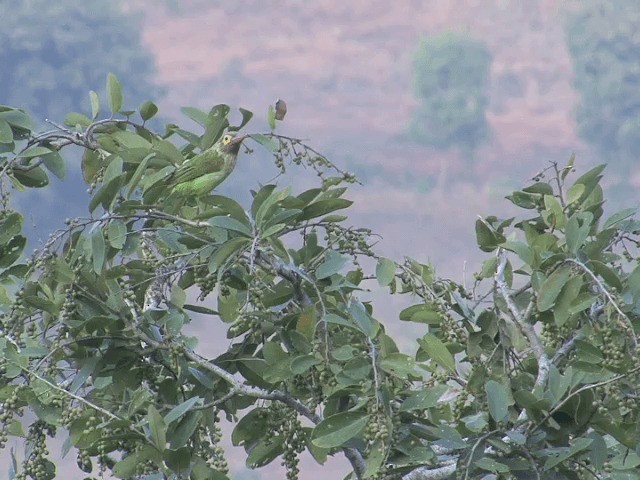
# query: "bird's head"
230, 143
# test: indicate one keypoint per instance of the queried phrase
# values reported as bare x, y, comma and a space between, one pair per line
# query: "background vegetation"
604, 44
53, 53
451, 82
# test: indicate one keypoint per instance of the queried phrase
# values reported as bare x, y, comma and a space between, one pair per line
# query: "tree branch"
521, 321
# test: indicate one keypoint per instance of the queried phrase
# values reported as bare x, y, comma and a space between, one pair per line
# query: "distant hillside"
345, 67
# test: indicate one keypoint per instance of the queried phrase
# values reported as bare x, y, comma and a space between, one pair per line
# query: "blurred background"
441, 107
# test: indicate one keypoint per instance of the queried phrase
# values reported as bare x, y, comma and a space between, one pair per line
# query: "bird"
280, 110
199, 175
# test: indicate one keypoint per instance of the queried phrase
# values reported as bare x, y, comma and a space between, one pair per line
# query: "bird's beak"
237, 140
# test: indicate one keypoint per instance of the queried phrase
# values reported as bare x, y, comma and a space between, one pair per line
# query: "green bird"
197, 176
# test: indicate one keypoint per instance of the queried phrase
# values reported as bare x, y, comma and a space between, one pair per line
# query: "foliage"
532, 374
604, 46
451, 81
54, 52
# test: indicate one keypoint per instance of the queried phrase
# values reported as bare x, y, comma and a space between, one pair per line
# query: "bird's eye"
226, 139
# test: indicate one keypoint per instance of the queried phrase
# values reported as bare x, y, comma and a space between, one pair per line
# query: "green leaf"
264, 452
230, 206
626, 461
117, 233
421, 313
450, 437
488, 240
322, 207
197, 115
148, 110
272, 230
268, 205
6, 134
74, 119
17, 118
385, 271
608, 274
333, 263
35, 177
250, 427
399, 365
498, 399
11, 251
128, 466
271, 117
137, 175
265, 141
336, 430
477, 422
95, 104
519, 248
98, 250
132, 140
157, 432
178, 297
91, 163
179, 410
337, 320
10, 226
230, 223
246, 116
185, 428
113, 170
539, 188
599, 453
36, 151
216, 122
40, 303
423, 399
226, 251
491, 465
618, 217
303, 363
114, 93
590, 180
363, 320
199, 309
567, 297
551, 288
306, 323
574, 193
260, 196
577, 230
106, 194
178, 460
553, 214
579, 444
55, 164
437, 351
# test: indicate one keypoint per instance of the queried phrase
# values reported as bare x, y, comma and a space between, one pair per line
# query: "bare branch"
521, 320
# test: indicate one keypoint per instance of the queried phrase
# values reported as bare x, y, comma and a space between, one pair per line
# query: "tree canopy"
54, 52
530, 374
604, 46
451, 80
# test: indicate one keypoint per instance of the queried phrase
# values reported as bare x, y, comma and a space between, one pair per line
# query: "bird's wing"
201, 164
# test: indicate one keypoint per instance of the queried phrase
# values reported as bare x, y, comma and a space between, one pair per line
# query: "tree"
532, 374
54, 52
451, 80
603, 42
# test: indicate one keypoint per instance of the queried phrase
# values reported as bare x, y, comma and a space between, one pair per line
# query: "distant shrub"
54, 52
604, 42
451, 81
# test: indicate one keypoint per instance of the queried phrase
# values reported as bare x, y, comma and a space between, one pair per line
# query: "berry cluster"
36, 465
